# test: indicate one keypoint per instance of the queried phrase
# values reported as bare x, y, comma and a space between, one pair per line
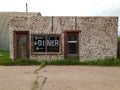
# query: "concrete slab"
59, 78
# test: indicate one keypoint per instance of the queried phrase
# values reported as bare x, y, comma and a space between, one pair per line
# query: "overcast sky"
64, 7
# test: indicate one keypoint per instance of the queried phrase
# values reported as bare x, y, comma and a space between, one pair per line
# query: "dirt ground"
59, 78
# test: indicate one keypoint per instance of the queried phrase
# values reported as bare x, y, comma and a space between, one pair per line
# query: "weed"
5, 60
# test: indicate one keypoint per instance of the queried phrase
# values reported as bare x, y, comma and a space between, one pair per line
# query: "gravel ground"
59, 78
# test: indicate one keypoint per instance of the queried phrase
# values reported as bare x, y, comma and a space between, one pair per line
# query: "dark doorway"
21, 45
71, 45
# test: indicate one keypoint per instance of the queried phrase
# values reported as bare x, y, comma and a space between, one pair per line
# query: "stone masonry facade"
97, 35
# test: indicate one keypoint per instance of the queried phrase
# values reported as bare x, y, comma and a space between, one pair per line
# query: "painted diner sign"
45, 43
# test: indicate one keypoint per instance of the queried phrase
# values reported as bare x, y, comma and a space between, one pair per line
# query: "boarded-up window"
45, 43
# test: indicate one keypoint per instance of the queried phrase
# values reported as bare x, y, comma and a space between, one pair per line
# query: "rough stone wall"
97, 37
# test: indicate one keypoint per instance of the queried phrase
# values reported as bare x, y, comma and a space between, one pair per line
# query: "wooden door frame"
65, 42
15, 43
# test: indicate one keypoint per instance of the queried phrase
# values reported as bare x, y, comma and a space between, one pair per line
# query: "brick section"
97, 37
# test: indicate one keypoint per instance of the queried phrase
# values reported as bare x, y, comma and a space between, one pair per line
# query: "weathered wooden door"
21, 44
71, 45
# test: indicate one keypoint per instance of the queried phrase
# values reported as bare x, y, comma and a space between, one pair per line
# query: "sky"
64, 7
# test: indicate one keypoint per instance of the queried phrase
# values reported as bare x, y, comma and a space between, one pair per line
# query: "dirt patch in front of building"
59, 78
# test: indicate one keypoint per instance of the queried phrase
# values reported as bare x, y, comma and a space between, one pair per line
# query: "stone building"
59, 37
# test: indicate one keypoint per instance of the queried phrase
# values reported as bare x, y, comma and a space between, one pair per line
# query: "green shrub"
22, 62
43, 63
103, 62
5, 60
4, 57
63, 62
118, 38
26, 61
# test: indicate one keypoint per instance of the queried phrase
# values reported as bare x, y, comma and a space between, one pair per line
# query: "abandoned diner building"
60, 37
